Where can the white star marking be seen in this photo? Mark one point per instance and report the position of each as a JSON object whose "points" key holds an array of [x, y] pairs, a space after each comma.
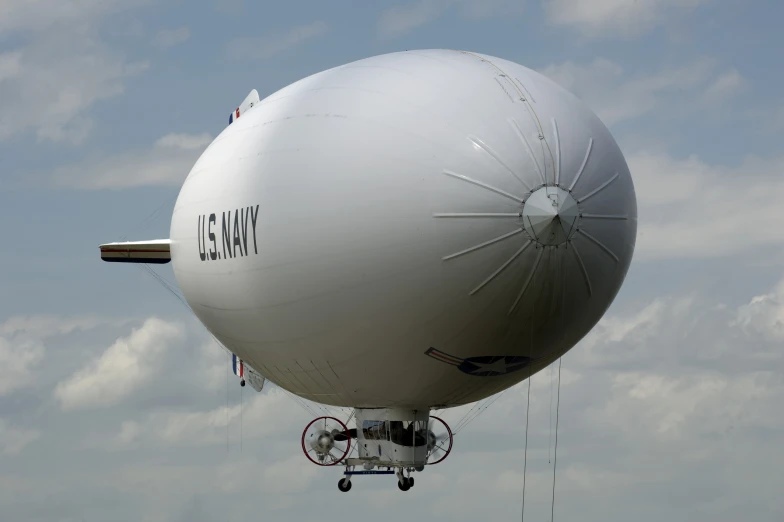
{"points": [[499, 366]]}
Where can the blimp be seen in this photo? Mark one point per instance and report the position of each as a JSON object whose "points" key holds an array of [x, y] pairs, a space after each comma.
{"points": [[398, 235]]}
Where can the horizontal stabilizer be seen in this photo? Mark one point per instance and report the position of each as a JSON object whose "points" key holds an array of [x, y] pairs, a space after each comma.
{"points": [[153, 251], [255, 379], [247, 104], [243, 371]]}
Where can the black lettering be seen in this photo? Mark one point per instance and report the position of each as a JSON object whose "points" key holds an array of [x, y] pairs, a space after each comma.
{"points": [[226, 228], [213, 253], [253, 217], [203, 235], [237, 233], [202, 253], [244, 218]]}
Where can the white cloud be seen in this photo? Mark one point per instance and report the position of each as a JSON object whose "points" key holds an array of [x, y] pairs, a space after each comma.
{"points": [[601, 18], [18, 361], [166, 38], [283, 480], [686, 371], [291, 475], [674, 376], [214, 359], [678, 376], [689, 333], [687, 207], [185, 141], [624, 338], [198, 428], [59, 69], [764, 315], [22, 348], [122, 369], [10, 65], [38, 15], [691, 209], [129, 434], [693, 405], [13, 440], [165, 163], [726, 85], [607, 88], [401, 19], [488, 8], [264, 47], [42, 326], [49, 85]]}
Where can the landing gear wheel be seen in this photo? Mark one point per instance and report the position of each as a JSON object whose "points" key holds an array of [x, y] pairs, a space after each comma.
{"points": [[319, 442], [403, 485], [344, 485], [410, 482], [439, 440]]}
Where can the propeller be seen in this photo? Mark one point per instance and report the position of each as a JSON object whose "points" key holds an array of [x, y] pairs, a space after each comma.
{"points": [[322, 442]]}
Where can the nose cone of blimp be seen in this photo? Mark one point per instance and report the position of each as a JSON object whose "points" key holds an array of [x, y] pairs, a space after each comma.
{"points": [[537, 226]]}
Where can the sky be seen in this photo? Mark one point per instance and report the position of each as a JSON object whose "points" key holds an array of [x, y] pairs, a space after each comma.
{"points": [[115, 402]]}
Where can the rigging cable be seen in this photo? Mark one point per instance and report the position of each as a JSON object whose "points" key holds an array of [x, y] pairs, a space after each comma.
{"points": [[146, 222], [459, 424], [164, 283], [527, 412], [550, 440], [555, 457], [525, 453], [482, 408], [557, 405], [326, 409]]}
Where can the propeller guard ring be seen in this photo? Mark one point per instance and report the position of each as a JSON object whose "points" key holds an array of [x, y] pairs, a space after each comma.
{"points": [[449, 448], [348, 441]]}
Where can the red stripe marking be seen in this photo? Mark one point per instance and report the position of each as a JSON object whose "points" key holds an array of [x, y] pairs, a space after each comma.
{"points": [[447, 360], [446, 355]]}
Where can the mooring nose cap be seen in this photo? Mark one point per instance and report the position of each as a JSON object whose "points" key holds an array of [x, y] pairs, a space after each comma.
{"points": [[550, 215]]}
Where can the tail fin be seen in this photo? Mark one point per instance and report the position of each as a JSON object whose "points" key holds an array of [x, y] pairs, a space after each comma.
{"points": [[249, 101]]}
